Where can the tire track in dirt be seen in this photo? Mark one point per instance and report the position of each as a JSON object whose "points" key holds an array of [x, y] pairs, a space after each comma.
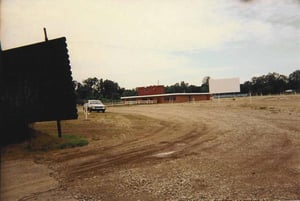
{"points": [[124, 156], [145, 147], [190, 134]]}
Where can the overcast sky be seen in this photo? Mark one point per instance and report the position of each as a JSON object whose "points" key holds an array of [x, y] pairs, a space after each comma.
{"points": [[146, 42]]}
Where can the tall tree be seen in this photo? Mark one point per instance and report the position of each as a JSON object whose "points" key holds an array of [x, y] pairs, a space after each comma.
{"points": [[205, 84], [246, 87], [294, 80], [111, 89], [92, 85]]}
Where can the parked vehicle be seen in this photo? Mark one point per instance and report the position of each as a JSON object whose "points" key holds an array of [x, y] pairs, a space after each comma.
{"points": [[94, 105]]}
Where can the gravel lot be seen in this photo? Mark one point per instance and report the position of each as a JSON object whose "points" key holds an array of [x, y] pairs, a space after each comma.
{"points": [[232, 149]]}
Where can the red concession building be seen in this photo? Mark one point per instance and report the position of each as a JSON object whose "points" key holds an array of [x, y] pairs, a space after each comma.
{"points": [[150, 90], [156, 94]]}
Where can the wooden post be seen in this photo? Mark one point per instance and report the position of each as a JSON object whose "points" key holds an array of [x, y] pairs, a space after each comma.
{"points": [[57, 121], [45, 34], [58, 128]]}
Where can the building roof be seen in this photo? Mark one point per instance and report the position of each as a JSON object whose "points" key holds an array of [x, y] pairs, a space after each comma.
{"points": [[162, 95]]}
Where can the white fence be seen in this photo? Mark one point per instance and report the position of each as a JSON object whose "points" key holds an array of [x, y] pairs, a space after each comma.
{"points": [[136, 102]]}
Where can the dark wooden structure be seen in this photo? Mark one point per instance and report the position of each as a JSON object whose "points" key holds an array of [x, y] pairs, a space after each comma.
{"points": [[36, 84]]}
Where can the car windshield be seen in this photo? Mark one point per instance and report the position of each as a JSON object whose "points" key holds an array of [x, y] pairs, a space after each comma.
{"points": [[95, 102]]}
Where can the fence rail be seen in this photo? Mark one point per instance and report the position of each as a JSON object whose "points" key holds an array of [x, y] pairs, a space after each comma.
{"points": [[136, 102]]}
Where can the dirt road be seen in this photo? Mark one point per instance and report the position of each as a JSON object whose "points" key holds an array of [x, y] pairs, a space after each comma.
{"points": [[227, 149]]}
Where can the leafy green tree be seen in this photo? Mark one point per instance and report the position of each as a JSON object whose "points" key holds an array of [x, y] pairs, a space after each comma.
{"points": [[205, 84], [294, 80], [246, 87], [94, 88], [194, 89], [258, 84], [129, 92], [272, 83], [92, 85], [101, 87], [184, 87], [281, 84], [173, 88], [111, 90]]}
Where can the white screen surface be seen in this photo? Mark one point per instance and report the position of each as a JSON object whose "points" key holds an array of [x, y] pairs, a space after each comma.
{"points": [[227, 85]]}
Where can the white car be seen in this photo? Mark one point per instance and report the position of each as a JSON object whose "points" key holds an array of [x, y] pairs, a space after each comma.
{"points": [[94, 105]]}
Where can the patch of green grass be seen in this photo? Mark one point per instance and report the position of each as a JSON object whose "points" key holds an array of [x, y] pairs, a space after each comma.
{"points": [[72, 141], [43, 142]]}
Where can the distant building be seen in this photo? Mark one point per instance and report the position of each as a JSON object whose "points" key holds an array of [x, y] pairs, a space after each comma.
{"points": [[150, 90], [156, 94]]}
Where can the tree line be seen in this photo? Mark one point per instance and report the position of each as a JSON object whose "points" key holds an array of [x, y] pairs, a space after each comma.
{"points": [[184, 87], [94, 88], [272, 83], [108, 90]]}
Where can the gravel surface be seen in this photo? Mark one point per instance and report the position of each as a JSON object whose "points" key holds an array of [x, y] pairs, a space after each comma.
{"points": [[209, 150]]}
